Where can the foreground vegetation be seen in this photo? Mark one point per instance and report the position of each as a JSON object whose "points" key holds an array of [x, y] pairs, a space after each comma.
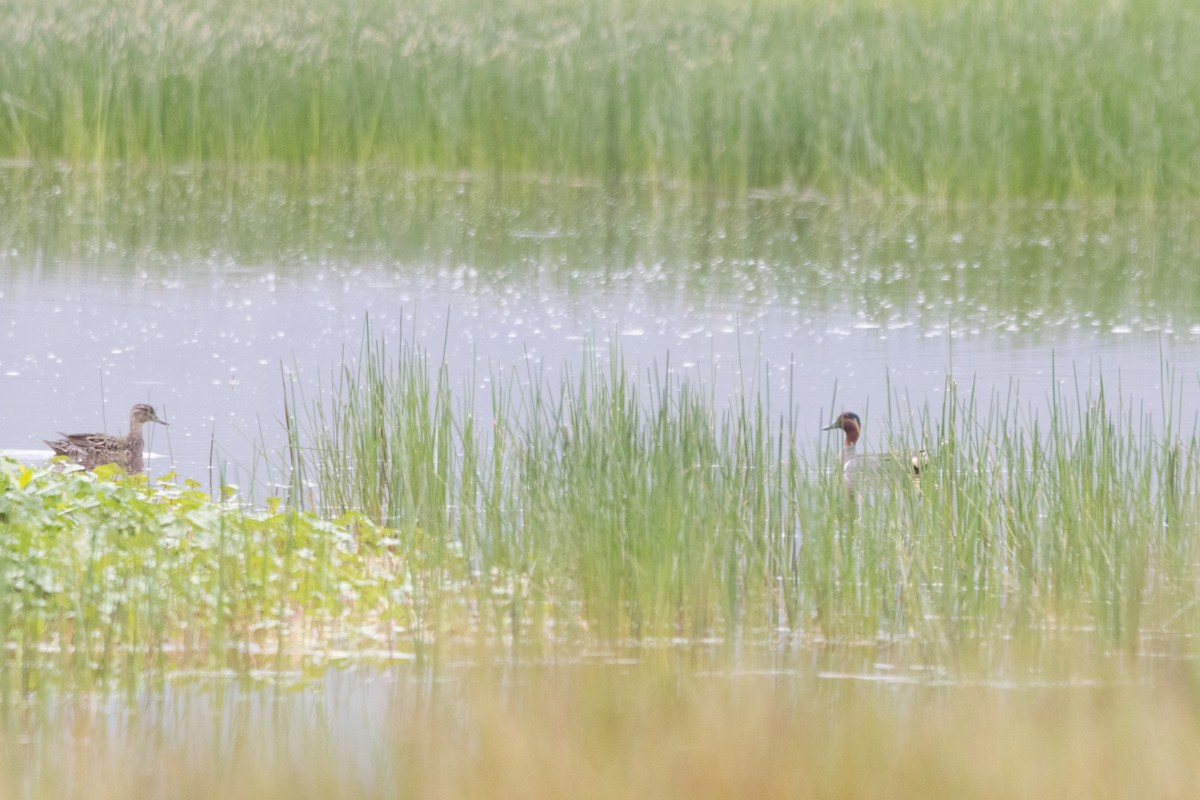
{"points": [[105, 577], [615, 586], [993, 99], [617, 508]]}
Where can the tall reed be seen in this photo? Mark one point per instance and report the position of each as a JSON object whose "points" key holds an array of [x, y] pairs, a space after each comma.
{"points": [[627, 502]]}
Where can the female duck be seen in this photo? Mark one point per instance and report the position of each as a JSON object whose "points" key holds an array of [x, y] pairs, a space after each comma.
{"points": [[93, 449]]}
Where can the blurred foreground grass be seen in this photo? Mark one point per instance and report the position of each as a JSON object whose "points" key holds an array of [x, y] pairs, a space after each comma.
{"points": [[620, 730]]}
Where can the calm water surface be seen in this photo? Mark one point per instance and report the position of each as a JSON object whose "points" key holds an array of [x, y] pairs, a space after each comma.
{"points": [[201, 292]]}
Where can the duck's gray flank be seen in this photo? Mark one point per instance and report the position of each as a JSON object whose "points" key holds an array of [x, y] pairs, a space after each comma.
{"points": [[857, 466]]}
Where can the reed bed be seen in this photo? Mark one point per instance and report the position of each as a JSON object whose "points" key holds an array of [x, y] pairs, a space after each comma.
{"points": [[628, 504], [615, 508], [996, 99]]}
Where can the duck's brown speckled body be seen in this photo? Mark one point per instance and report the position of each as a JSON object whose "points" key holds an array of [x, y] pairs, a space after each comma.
{"points": [[93, 449]]}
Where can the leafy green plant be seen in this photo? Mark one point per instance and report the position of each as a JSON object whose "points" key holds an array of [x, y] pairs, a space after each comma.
{"points": [[106, 575]]}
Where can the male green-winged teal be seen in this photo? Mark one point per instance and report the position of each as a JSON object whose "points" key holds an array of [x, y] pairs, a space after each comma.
{"points": [[93, 449], [861, 467]]}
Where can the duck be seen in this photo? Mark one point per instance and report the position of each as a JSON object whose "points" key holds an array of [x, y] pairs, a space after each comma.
{"points": [[91, 450], [859, 467]]}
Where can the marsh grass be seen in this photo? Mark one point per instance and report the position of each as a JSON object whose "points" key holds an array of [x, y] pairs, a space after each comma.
{"points": [[993, 99], [617, 507], [625, 501]]}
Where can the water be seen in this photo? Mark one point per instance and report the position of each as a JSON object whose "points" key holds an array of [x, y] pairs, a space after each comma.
{"points": [[468, 727], [201, 292]]}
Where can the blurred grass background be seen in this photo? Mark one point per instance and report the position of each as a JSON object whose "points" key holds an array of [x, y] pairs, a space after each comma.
{"points": [[998, 99]]}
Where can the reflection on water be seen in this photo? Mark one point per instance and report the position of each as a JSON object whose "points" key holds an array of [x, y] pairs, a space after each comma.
{"points": [[198, 290], [476, 721]]}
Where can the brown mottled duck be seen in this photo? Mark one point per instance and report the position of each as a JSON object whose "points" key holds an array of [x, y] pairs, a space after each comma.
{"points": [[93, 449]]}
